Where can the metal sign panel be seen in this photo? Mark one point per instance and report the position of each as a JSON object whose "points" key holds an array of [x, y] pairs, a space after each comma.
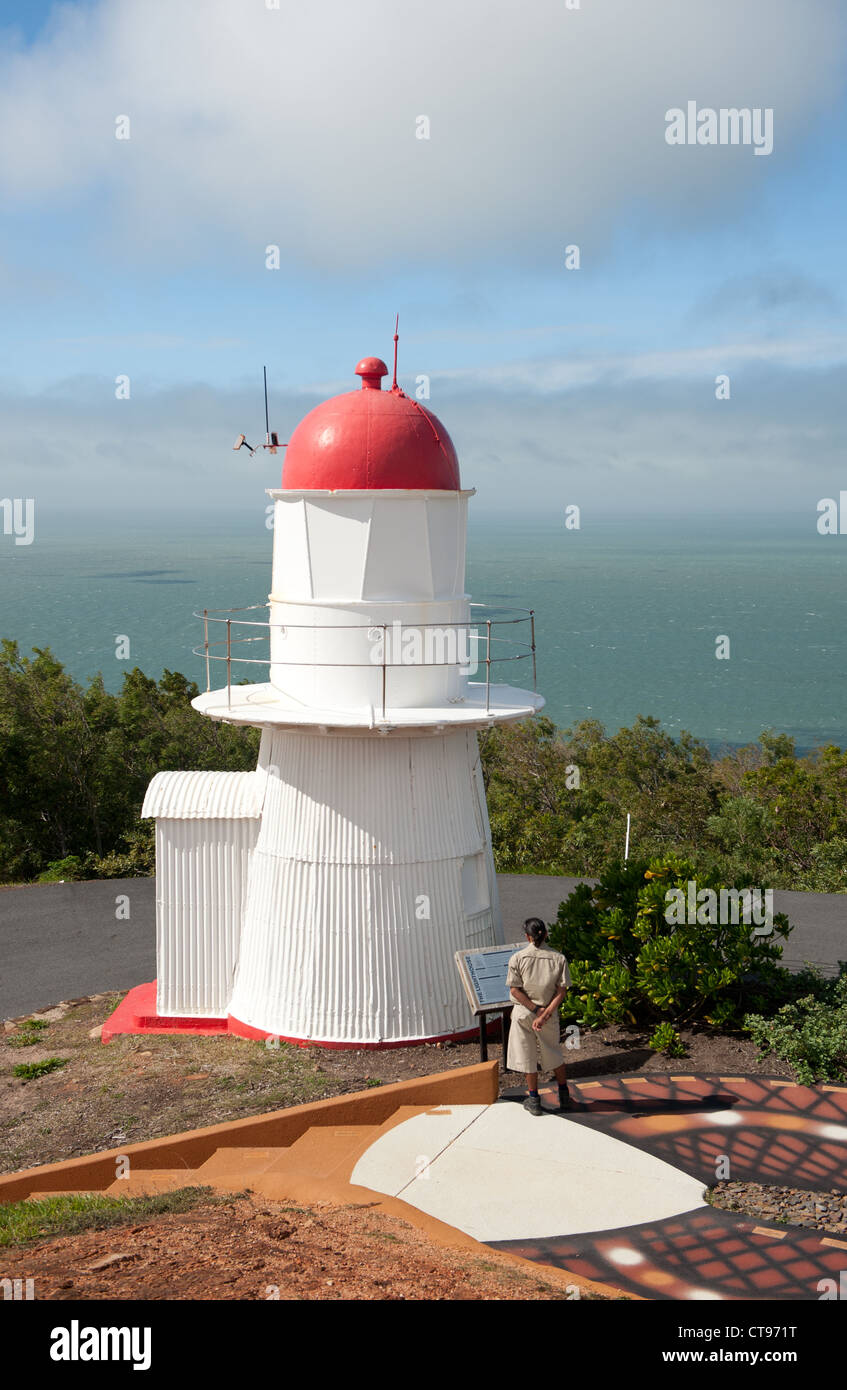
{"points": [[483, 974]]}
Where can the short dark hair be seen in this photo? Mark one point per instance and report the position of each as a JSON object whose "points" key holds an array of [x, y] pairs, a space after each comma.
{"points": [[535, 928]]}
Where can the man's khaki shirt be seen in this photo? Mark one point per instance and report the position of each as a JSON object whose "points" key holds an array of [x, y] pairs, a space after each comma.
{"points": [[540, 972]]}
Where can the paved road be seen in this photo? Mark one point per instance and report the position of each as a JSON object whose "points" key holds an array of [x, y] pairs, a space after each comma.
{"points": [[819, 919], [63, 940]]}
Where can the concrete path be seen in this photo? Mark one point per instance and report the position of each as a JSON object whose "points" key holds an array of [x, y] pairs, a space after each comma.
{"points": [[614, 1191], [499, 1174], [61, 941]]}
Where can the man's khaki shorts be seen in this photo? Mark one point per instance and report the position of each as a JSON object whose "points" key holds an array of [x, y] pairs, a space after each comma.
{"points": [[530, 1051]]}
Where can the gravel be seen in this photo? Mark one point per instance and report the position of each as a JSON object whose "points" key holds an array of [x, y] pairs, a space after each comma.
{"points": [[793, 1206]]}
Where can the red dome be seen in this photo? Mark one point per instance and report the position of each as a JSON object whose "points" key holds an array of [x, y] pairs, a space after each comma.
{"points": [[371, 439]]}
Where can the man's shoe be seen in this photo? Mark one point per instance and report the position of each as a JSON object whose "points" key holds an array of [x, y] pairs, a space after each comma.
{"points": [[533, 1105], [566, 1102]]}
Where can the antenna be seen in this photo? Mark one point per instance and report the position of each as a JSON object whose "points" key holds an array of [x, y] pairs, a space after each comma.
{"points": [[396, 339], [271, 438]]}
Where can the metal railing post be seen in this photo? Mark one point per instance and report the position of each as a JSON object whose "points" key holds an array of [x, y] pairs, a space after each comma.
{"points": [[206, 645], [384, 639], [532, 622], [228, 663], [488, 668]]}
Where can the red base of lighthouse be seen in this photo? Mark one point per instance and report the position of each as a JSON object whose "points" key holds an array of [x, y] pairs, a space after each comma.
{"points": [[137, 1014]]}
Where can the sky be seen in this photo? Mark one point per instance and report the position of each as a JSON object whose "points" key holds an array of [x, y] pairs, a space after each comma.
{"points": [[435, 161]]}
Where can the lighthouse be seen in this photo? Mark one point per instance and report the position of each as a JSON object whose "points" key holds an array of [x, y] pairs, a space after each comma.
{"points": [[322, 898]]}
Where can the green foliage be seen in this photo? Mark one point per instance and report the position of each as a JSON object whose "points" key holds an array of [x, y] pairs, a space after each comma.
{"points": [[666, 1039], [75, 763], [558, 802], [31, 1071], [809, 1033], [66, 870], [135, 857], [629, 964]]}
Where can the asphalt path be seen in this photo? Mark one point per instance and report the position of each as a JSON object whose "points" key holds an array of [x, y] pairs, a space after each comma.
{"points": [[65, 940], [819, 919]]}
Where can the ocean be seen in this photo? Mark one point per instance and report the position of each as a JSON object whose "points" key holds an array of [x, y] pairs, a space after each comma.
{"points": [[629, 612]]}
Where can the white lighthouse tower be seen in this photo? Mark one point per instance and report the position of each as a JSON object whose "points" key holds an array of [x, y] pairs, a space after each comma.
{"points": [[322, 897]]}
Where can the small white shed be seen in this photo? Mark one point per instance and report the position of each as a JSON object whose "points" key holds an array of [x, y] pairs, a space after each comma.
{"points": [[206, 827]]}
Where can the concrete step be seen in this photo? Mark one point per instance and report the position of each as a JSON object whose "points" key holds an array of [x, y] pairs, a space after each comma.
{"points": [[319, 1164], [227, 1161], [232, 1169], [146, 1182], [322, 1150]]}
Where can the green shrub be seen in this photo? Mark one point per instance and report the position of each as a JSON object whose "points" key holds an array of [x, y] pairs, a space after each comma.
{"points": [[810, 1033], [134, 858], [666, 1039], [69, 869], [630, 965]]}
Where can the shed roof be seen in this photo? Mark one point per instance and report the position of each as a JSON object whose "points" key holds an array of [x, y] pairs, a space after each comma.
{"points": [[205, 796]]}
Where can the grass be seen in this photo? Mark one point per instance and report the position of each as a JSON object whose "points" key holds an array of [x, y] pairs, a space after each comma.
{"points": [[30, 1071], [23, 1223], [29, 1033]]}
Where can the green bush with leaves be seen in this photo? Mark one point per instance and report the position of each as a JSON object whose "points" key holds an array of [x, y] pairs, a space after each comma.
{"points": [[810, 1033], [67, 870], [630, 964], [666, 1039]]}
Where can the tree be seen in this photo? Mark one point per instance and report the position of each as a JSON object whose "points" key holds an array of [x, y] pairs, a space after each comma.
{"points": [[74, 763]]}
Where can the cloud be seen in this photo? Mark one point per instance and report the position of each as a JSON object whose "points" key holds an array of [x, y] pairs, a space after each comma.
{"points": [[769, 293], [296, 126], [546, 375], [650, 444]]}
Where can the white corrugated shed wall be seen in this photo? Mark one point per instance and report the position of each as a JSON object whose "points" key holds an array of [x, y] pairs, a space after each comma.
{"points": [[201, 882], [360, 840], [206, 827]]}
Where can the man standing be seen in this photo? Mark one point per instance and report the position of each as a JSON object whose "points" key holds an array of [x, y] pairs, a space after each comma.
{"points": [[538, 978]]}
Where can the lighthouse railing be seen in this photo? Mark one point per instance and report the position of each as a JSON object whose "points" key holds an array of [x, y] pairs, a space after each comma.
{"points": [[228, 617]]}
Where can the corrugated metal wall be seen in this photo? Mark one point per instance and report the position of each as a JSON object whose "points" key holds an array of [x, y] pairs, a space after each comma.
{"points": [[201, 881], [355, 904]]}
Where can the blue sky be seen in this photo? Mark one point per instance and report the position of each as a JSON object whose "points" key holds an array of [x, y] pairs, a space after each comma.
{"points": [[251, 126]]}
